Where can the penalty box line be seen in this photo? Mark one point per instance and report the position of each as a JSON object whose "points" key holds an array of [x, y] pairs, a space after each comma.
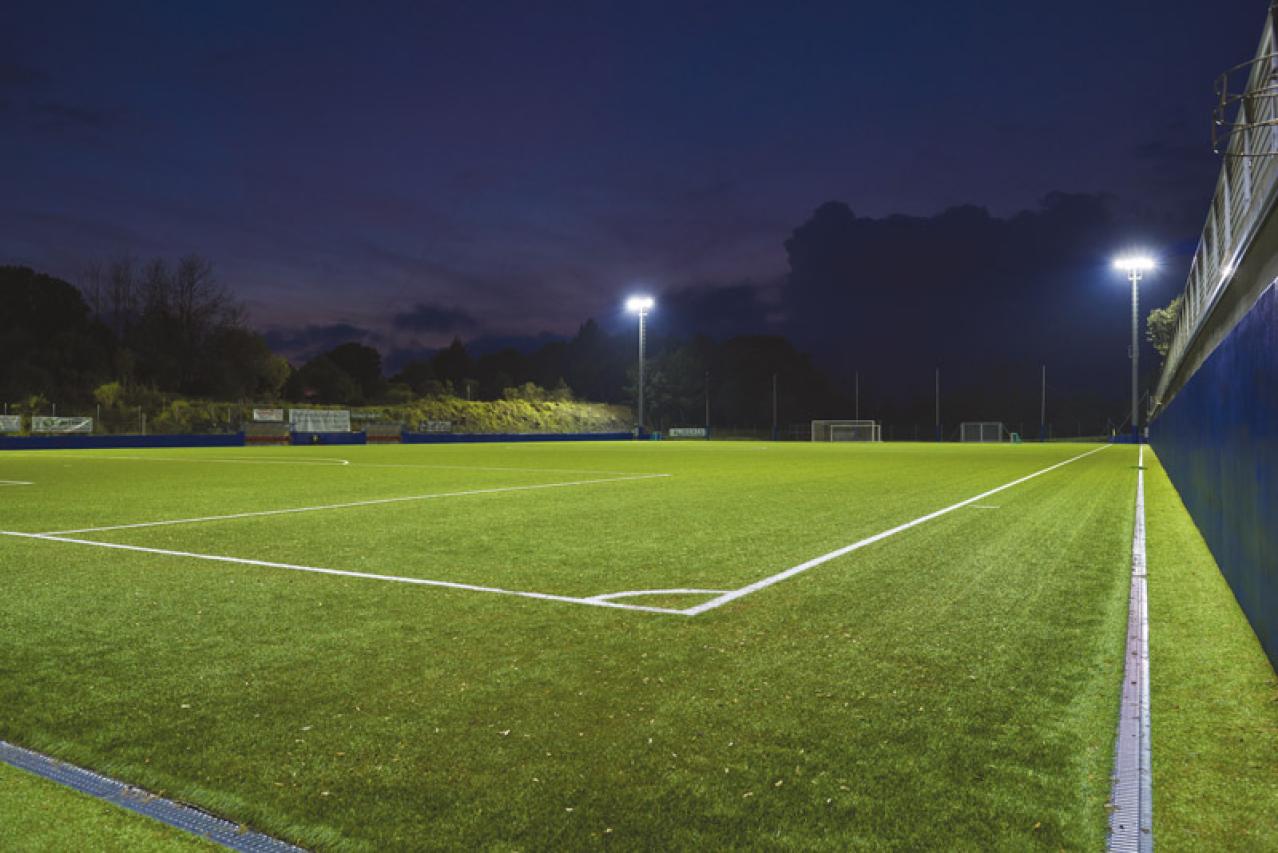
{"points": [[217, 558], [727, 597], [349, 504]]}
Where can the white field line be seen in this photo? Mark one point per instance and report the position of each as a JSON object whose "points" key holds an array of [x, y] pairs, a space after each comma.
{"points": [[591, 602], [350, 504], [984, 506], [632, 593], [878, 537], [335, 462], [16, 483], [327, 461]]}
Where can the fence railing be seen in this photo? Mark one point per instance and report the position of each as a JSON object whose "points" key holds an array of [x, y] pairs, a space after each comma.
{"points": [[1245, 131]]}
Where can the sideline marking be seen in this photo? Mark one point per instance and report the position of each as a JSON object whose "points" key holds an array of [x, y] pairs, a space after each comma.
{"points": [[16, 483], [984, 506], [1131, 799], [869, 540], [187, 818], [328, 461], [545, 596], [349, 504]]}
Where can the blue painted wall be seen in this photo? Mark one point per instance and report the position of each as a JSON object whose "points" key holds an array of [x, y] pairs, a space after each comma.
{"points": [[88, 442], [328, 438], [1218, 440], [466, 438]]}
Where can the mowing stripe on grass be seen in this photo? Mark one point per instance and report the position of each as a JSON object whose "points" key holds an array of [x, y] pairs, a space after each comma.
{"points": [[192, 820], [1131, 801], [350, 504], [847, 549], [217, 558]]}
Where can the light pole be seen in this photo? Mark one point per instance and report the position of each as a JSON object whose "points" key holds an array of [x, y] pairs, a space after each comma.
{"points": [[1135, 266], [640, 305]]}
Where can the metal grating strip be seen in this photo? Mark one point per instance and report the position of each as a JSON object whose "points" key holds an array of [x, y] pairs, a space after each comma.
{"points": [[1131, 827], [183, 817]]}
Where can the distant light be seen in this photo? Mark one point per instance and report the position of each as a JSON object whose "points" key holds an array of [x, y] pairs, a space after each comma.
{"points": [[1135, 263], [639, 304]]}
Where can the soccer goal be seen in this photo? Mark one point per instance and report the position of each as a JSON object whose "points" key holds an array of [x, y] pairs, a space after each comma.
{"points": [[982, 431], [846, 431]]}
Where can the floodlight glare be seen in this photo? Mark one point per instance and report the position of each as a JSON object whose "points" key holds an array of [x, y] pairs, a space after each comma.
{"points": [[1135, 263], [1135, 267], [639, 304]]}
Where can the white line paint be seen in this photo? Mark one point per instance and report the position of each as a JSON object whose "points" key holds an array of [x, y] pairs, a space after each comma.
{"points": [[16, 483], [870, 540], [217, 558], [326, 461], [350, 504], [632, 593], [329, 462], [1131, 799], [984, 506]]}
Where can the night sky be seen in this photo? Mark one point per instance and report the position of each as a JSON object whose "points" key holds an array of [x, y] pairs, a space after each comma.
{"points": [[404, 173]]}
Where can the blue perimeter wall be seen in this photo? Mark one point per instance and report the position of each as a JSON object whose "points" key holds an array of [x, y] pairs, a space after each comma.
{"points": [[459, 438], [1218, 440], [102, 442]]}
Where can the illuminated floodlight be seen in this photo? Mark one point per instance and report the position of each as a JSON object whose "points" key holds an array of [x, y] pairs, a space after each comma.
{"points": [[1135, 263], [639, 304]]}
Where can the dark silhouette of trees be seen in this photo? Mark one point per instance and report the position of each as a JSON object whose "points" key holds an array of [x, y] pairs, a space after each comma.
{"points": [[50, 343]]}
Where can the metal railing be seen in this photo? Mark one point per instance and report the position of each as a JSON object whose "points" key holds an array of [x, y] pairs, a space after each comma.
{"points": [[1245, 131]]}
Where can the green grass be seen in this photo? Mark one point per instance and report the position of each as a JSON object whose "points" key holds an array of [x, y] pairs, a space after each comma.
{"points": [[1214, 695], [39, 815], [953, 686]]}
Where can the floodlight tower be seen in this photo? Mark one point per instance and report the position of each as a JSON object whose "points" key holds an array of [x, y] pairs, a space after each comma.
{"points": [[1135, 266], [640, 305]]}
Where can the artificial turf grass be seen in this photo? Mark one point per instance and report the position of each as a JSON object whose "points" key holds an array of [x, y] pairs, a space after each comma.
{"points": [[1214, 694], [952, 687], [39, 815]]}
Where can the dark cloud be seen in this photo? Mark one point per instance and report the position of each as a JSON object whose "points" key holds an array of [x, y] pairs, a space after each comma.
{"points": [[900, 295], [52, 115], [308, 341], [15, 76], [718, 310], [428, 317]]}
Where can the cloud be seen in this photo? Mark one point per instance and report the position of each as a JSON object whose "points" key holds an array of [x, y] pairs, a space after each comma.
{"points": [[14, 76], [52, 115], [427, 317], [305, 342]]}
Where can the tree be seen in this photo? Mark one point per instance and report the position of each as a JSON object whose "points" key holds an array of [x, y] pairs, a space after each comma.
{"points": [[453, 364], [364, 365], [322, 381], [1160, 325], [49, 342]]}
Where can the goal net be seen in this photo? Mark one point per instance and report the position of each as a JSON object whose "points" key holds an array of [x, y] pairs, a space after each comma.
{"points": [[836, 430], [982, 431]]}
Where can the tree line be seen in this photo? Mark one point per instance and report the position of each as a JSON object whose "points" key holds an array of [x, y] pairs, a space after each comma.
{"points": [[135, 331]]}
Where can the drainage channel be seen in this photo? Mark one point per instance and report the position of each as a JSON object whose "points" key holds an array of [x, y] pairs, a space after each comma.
{"points": [[1131, 801], [183, 817]]}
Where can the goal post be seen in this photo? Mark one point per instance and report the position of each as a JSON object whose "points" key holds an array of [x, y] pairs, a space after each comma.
{"points": [[982, 431], [845, 430]]}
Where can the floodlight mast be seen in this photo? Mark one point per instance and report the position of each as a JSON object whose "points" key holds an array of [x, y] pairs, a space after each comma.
{"points": [[1135, 266], [640, 305]]}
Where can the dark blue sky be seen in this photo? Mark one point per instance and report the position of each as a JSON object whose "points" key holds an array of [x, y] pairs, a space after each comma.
{"points": [[410, 171]]}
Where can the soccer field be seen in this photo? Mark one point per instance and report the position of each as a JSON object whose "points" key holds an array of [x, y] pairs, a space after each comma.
{"points": [[642, 644]]}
